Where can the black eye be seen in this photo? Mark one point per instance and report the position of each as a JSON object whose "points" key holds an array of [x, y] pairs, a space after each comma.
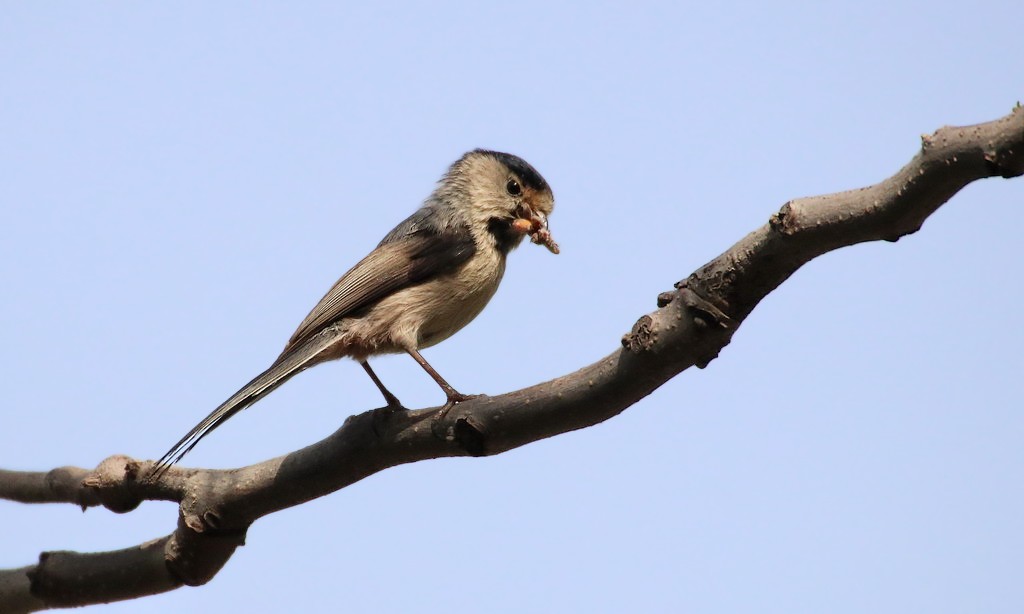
{"points": [[512, 187]]}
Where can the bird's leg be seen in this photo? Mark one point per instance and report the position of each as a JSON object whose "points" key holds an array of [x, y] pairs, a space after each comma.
{"points": [[391, 399], [382, 415], [454, 396]]}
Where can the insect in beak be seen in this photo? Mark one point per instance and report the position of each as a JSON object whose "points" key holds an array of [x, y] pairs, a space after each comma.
{"points": [[535, 224]]}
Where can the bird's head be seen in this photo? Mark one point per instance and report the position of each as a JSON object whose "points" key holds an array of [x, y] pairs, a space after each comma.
{"points": [[503, 194]]}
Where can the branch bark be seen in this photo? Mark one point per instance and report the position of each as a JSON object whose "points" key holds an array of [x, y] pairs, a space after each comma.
{"points": [[692, 324]]}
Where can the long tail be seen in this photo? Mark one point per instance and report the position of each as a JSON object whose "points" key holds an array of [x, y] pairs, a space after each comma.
{"points": [[284, 368]]}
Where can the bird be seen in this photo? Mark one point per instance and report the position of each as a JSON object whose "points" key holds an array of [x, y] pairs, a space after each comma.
{"points": [[427, 279]]}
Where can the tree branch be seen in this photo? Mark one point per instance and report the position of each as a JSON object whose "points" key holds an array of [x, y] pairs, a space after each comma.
{"points": [[693, 323]]}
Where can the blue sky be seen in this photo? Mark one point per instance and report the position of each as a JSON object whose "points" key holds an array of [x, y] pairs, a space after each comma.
{"points": [[182, 182]]}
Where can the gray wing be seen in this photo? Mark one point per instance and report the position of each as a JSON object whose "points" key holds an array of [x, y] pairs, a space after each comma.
{"points": [[415, 251], [410, 254]]}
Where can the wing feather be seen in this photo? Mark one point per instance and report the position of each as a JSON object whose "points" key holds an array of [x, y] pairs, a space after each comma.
{"points": [[398, 262]]}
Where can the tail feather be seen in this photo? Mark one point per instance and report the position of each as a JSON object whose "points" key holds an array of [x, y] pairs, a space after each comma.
{"points": [[284, 368]]}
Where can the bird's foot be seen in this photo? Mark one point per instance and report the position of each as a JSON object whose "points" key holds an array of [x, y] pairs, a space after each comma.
{"points": [[393, 402], [457, 397], [382, 415], [454, 398]]}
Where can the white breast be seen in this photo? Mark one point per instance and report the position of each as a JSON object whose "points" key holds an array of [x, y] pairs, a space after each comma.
{"points": [[426, 314]]}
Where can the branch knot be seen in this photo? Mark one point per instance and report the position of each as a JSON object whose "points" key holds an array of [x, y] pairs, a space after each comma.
{"points": [[642, 337]]}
